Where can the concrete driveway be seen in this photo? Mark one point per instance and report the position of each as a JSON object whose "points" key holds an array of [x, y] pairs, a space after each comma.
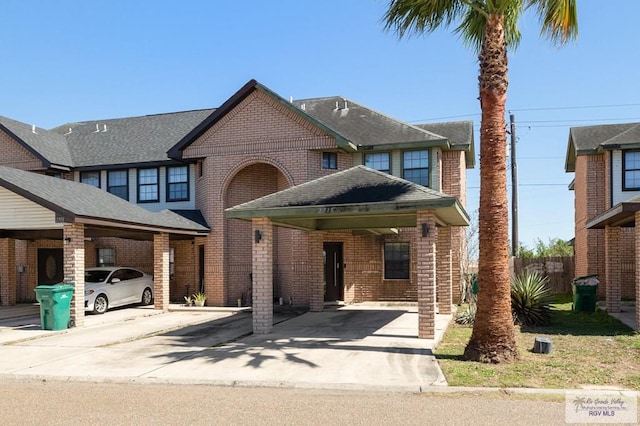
{"points": [[352, 347]]}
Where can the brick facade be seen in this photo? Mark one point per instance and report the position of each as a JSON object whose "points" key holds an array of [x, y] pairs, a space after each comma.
{"points": [[257, 148]]}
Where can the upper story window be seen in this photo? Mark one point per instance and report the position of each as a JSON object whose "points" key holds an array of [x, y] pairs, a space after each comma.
{"points": [[90, 178], [415, 166], [178, 183], [118, 183], [148, 185], [396, 261], [378, 161], [631, 173], [330, 160]]}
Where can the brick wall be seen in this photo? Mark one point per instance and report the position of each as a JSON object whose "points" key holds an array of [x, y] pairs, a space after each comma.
{"points": [[454, 182], [590, 200], [14, 155]]}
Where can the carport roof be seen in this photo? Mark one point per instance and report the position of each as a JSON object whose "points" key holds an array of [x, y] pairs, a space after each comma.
{"points": [[359, 198], [77, 202], [622, 214]]}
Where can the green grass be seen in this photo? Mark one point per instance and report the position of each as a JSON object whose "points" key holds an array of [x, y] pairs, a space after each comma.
{"points": [[589, 349]]}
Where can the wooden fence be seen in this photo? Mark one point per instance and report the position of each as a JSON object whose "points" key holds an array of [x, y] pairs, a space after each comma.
{"points": [[560, 270]]}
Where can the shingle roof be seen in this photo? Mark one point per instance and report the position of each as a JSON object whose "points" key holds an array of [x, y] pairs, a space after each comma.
{"points": [[361, 125], [128, 140], [587, 140], [73, 199], [358, 190], [49, 146], [459, 134]]}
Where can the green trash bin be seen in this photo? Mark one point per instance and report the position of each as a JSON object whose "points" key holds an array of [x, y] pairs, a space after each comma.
{"points": [[584, 293], [55, 306]]}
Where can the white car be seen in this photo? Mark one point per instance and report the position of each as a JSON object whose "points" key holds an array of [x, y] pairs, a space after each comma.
{"points": [[110, 286]]}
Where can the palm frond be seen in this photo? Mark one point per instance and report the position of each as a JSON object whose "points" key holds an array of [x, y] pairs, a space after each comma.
{"points": [[558, 19]]}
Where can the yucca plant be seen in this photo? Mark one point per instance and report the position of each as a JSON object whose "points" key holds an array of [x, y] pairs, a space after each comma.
{"points": [[531, 299], [467, 316]]}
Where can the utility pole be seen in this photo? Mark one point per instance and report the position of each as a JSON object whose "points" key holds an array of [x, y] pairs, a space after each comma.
{"points": [[514, 188]]}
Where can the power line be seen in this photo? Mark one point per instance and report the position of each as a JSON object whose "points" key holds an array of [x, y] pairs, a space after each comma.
{"points": [[574, 107]]}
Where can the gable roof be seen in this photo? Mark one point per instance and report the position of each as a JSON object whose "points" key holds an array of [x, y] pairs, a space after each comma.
{"points": [[233, 101], [589, 140], [354, 127], [356, 198], [78, 202], [49, 147]]}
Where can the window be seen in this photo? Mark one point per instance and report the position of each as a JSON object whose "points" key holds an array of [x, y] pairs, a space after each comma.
{"points": [[378, 161], [148, 185], [118, 183], [178, 183], [396, 261], [106, 257], [90, 178], [415, 167], [172, 262], [329, 160], [631, 173]]}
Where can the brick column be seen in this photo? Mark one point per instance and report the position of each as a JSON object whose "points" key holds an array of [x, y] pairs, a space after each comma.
{"points": [[444, 270], [8, 272], [426, 269], [161, 271], [262, 269], [637, 270], [612, 268], [316, 272], [73, 248]]}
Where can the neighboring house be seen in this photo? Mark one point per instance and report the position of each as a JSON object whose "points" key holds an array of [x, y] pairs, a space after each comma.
{"points": [[200, 164], [606, 163]]}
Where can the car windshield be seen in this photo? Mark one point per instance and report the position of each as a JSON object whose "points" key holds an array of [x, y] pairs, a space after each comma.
{"points": [[95, 276]]}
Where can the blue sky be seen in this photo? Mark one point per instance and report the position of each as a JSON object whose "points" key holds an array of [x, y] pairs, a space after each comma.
{"points": [[71, 60]]}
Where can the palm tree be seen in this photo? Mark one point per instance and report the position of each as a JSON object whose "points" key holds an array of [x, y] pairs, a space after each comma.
{"points": [[488, 26]]}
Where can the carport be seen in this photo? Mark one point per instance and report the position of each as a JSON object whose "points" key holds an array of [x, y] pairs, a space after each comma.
{"points": [[622, 215], [359, 199], [35, 206]]}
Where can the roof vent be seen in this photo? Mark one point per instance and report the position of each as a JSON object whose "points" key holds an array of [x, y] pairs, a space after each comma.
{"points": [[303, 107], [104, 129], [97, 130], [33, 129], [69, 132], [346, 105]]}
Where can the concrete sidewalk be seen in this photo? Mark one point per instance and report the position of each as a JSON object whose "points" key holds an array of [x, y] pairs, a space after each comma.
{"points": [[351, 347]]}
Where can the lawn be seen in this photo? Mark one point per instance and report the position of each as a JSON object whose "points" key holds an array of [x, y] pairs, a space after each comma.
{"points": [[589, 350]]}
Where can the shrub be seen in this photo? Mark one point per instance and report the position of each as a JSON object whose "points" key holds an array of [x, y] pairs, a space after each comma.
{"points": [[531, 299], [467, 316]]}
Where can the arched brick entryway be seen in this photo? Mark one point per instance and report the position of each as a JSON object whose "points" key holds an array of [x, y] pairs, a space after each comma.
{"points": [[250, 182]]}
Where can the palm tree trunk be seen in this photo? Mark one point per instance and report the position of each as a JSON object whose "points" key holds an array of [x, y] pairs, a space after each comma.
{"points": [[493, 339]]}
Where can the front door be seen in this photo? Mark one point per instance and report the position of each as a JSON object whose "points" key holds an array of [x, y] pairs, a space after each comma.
{"points": [[50, 266], [333, 276]]}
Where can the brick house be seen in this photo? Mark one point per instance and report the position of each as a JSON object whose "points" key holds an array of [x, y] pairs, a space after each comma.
{"points": [[199, 165], [606, 163]]}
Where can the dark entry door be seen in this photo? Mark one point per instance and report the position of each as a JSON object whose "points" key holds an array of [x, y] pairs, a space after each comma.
{"points": [[333, 275], [201, 268], [50, 266]]}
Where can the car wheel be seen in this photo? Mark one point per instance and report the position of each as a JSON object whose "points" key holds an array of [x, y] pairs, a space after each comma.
{"points": [[101, 304], [147, 297]]}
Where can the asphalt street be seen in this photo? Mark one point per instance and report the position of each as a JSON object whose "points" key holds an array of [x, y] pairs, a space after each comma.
{"points": [[34, 402]]}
